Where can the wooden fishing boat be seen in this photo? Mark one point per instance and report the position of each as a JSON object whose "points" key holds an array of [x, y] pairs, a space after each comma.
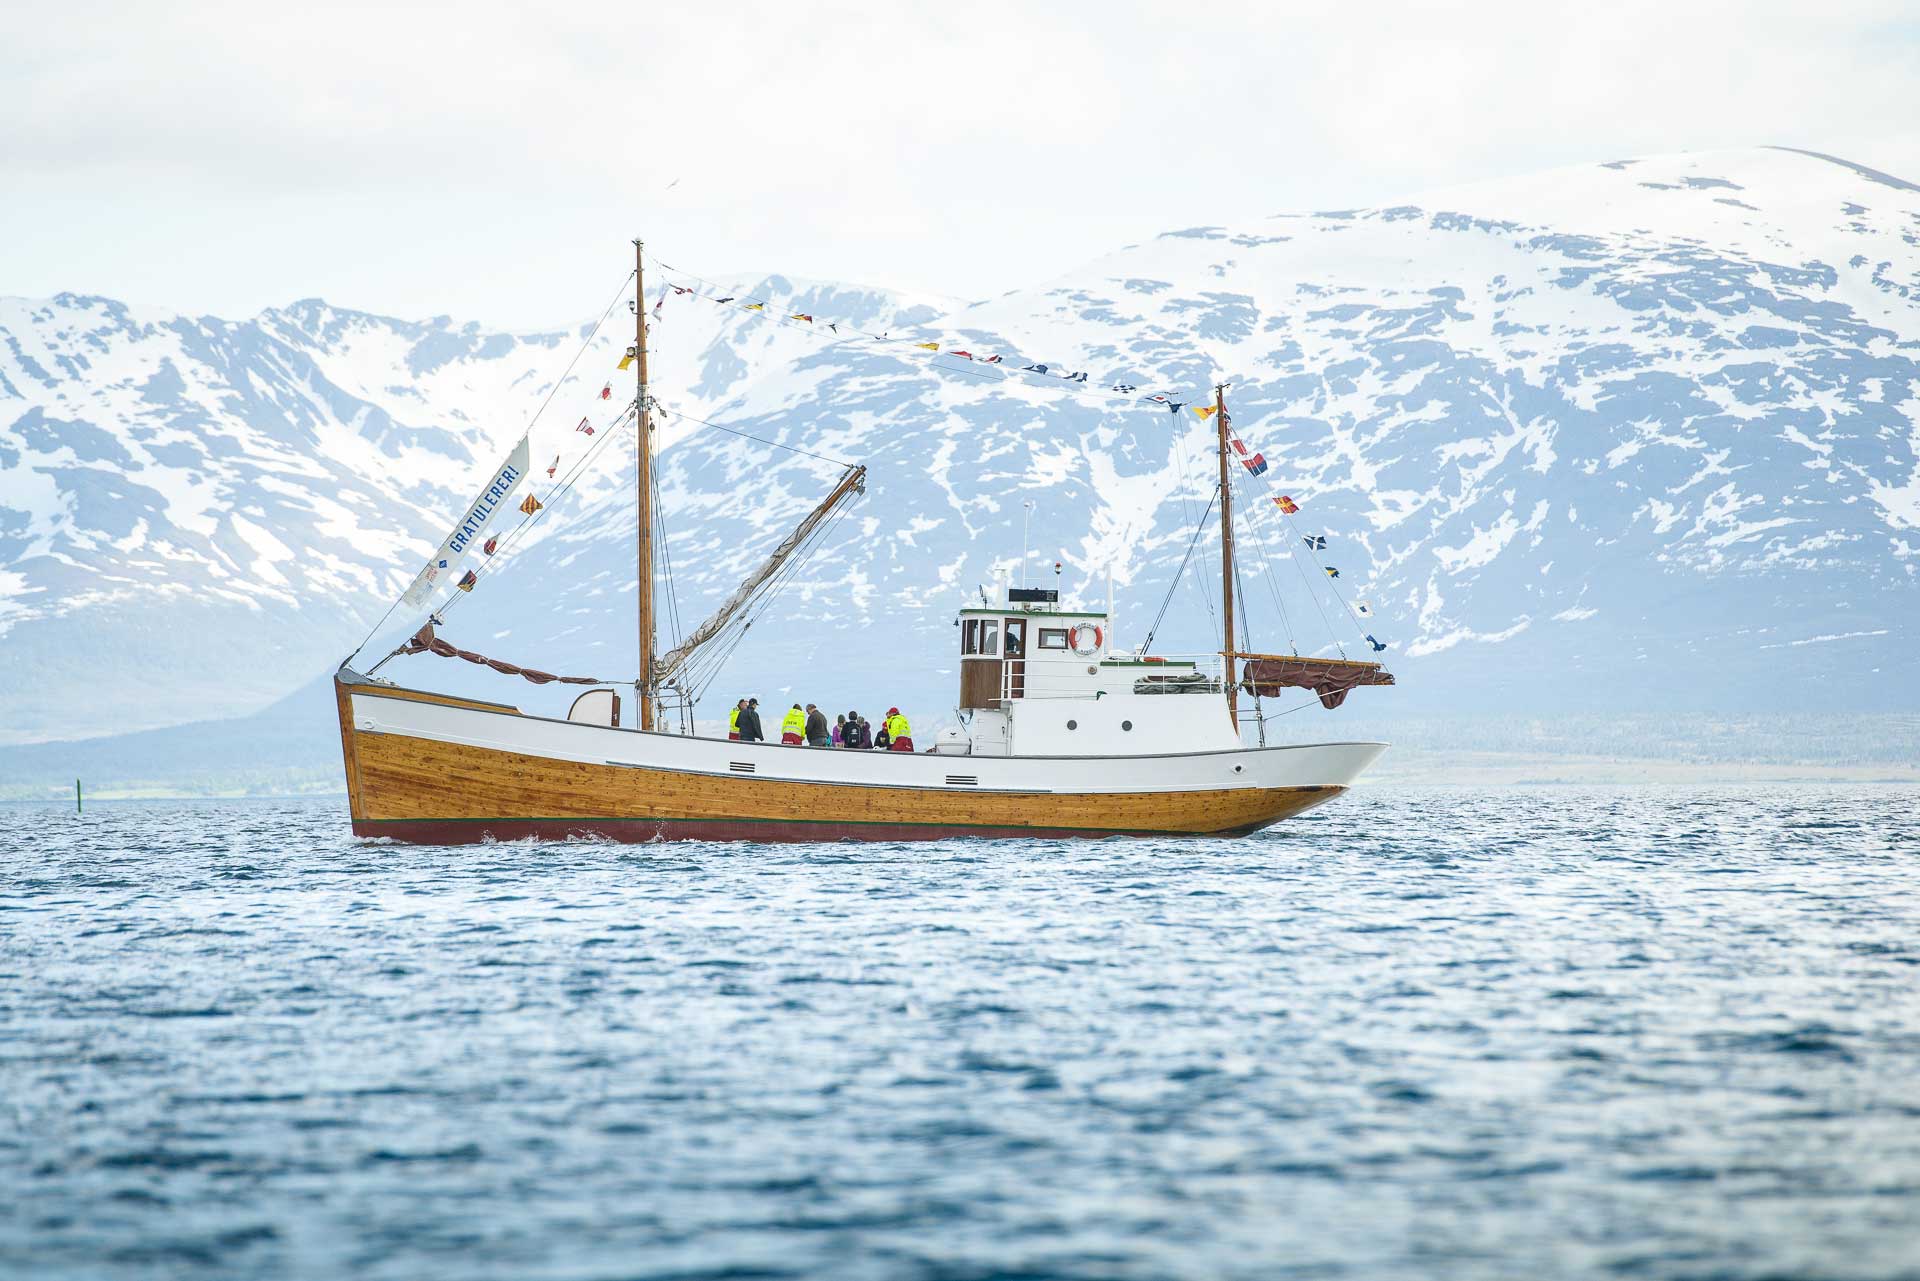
{"points": [[1052, 719]]}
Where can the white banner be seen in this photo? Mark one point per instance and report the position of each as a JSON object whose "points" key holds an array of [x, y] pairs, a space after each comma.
{"points": [[467, 534]]}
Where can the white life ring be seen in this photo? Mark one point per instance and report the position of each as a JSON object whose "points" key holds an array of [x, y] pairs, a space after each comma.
{"points": [[1086, 639]]}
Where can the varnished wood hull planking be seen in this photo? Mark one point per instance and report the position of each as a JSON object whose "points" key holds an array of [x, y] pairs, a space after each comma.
{"points": [[429, 791]]}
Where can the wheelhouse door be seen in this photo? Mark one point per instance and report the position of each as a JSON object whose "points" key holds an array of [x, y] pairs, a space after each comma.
{"points": [[1016, 657]]}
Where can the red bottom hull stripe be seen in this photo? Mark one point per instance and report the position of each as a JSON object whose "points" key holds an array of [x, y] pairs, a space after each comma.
{"points": [[469, 831]]}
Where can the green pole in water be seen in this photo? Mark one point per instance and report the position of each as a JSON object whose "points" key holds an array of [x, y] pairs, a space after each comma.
{"points": [[76, 796]]}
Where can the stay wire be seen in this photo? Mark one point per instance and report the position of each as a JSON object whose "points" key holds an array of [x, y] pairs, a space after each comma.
{"points": [[509, 541], [706, 667], [531, 422], [1198, 526], [1186, 473], [745, 435]]}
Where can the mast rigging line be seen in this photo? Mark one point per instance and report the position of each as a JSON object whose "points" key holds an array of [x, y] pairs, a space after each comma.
{"points": [[527, 430], [706, 661], [1199, 526], [1199, 582], [511, 538], [1256, 533], [799, 542], [747, 435], [1313, 595]]}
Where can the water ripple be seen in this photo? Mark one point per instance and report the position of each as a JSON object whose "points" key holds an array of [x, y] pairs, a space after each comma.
{"points": [[1430, 1033]]}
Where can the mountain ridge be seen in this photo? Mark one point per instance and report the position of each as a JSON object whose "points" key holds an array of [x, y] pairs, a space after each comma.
{"points": [[1642, 453]]}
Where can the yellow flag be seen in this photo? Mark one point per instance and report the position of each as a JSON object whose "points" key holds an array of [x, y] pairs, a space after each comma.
{"points": [[530, 504], [1205, 411], [928, 346], [756, 306], [626, 362]]}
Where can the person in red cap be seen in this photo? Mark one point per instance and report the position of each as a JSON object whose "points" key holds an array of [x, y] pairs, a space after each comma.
{"points": [[899, 733]]}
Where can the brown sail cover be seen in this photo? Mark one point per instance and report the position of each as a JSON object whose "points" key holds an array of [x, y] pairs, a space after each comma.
{"points": [[425, 642], [1330, 678]]}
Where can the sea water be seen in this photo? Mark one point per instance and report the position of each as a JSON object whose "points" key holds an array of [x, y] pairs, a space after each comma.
{"points": [[1537, 1033]]}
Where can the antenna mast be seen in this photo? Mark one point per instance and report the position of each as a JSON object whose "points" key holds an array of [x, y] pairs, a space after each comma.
{"points": [[643, 493], [1228, 649]]}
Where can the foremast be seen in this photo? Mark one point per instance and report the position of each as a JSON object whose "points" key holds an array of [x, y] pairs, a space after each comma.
{"points": [[643, 494]]}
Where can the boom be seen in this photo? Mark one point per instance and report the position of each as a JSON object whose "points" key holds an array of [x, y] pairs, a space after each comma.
{"points": [[853, 481]]}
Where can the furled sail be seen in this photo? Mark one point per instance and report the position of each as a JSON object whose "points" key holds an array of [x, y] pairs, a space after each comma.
{"points": [[852, 481], [1330, 678]]}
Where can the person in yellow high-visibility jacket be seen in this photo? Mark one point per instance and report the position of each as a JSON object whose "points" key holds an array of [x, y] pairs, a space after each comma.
{"points": [[793, 726], [733, 720], [899, 733]]}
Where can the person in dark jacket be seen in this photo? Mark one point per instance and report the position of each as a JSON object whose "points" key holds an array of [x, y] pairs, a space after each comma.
{"points": [[860, 733], [818, 735], [750, 731], [880, 738]]}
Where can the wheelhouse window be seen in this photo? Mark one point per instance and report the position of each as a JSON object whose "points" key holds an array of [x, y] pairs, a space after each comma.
{"points": [[970, 636], [1053, 638], [990, 636]]}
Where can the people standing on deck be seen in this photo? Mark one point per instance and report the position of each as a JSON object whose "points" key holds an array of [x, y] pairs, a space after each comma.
{"points": [[817, 734], [899, 733], [793, 727], [840, 730], [880, 738], [733, 721], [859, 733], [750, 731]]}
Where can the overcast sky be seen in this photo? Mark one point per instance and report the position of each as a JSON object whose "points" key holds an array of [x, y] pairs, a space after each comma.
{"points": [[492, 162]]}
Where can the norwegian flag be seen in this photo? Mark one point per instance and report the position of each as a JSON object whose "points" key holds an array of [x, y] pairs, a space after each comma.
{"points": [[1256, 464]]}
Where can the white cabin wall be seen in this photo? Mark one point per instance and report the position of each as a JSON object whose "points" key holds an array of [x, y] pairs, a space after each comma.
{"points": [[1161, 723]]}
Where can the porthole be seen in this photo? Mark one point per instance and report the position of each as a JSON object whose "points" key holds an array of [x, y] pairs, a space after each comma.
{"points": [[1126, 724], [1238, 768], [1073, 724]]}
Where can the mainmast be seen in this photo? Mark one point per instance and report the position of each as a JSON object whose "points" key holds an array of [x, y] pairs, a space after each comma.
{"points": [[643, 493], [1228, 649]]}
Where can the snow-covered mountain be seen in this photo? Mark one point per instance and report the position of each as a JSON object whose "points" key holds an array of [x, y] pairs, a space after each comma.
{"points": [[1639, 435]]}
